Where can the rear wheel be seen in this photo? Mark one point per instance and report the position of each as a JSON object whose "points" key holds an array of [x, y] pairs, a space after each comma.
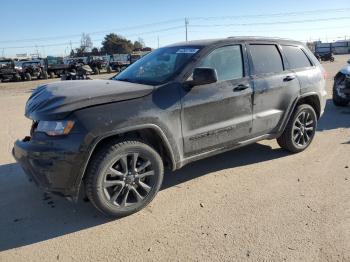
{"points": [[300, 129], [44, 75], [52, 75], [28, 77], [124, 177]]}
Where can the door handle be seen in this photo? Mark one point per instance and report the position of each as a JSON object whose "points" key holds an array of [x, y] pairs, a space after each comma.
{"points": [[240, 88], [288, 78]]}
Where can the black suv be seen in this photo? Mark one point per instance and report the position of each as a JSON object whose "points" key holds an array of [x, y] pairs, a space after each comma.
{"points": [[113, 138]]}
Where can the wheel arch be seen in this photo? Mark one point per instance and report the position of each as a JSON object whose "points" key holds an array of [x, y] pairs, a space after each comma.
{"points": [[311, 99], [150, 133]]}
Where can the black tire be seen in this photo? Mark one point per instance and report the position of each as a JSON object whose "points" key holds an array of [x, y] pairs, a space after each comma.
{"points": [[52, 75], [28, 77], [96, 71], [331, 59], [297, 128], [115, 164], [337, 99], [44, 75]]}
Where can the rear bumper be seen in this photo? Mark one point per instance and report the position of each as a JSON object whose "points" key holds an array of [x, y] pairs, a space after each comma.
{"points": [[323, 101], [54, 165]]}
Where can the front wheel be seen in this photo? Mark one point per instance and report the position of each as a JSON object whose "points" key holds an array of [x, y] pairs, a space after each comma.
{"points": [[28, 76], [124, 177], [339, 99], [300, 129]]}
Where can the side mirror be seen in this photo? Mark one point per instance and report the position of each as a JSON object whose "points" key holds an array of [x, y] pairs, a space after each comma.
{"points": [[204, 76]]}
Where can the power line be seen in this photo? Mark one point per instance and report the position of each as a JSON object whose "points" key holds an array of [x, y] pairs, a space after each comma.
{"points": [[78, 42], [274, 23], [273, 14], [274, 30], [179, 20], [189, 26], [94, 33]]}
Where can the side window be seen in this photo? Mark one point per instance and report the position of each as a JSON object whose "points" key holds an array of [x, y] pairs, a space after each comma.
{"points": [[266, 59], [296, 57], [227, 61]]}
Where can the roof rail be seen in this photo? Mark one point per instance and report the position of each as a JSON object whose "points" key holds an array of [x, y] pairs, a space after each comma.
{"points": [[264, 37]]}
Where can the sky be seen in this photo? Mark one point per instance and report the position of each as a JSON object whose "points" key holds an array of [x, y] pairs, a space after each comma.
{"points": [[52, 27]]}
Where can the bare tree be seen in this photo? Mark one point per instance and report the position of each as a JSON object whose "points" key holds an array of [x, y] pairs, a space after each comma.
{"points": [[86, 43]]}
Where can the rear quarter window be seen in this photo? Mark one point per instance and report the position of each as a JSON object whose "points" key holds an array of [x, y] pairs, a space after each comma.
{"points": [[296, 57], [266, 58]]}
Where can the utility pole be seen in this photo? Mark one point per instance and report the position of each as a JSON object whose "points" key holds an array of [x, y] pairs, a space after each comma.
{"points": [[186, 25], [3, 52], [37, 51], [70, 43], [158, 40]]}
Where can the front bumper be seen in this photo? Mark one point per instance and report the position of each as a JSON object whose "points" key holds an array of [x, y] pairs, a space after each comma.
{"points": [[54, 164]]}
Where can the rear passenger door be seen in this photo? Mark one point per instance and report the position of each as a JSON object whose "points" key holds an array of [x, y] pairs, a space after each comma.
{"points": [[308, 74], [275, 87]]}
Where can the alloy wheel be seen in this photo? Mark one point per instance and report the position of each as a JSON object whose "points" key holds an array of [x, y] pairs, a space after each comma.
{"points": [[128, 180], [303, 129]]}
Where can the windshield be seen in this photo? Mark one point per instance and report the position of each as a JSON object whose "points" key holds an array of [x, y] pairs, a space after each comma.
{"points": [[159, 66]]}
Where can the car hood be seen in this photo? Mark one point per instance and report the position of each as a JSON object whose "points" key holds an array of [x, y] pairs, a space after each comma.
{"points": [[57, 100]]}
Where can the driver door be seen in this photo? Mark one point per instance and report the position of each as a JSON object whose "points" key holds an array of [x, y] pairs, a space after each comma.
{"points": [[219, 114]]}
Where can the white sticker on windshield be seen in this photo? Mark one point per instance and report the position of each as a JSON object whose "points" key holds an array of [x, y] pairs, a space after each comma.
{"points": [[187, 51]]}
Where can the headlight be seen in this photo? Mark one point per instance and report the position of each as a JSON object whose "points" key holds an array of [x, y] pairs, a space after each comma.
{"points": [[55, 128]]}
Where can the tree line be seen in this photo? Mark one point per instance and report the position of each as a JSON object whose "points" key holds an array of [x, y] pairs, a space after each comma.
{"points": [[111, 44]]}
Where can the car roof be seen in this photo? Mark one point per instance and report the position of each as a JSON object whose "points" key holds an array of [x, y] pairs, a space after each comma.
{"points": [[208, 42]]}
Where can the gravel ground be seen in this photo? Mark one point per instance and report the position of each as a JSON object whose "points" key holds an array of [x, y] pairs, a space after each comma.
{"points": [[257, 203]]}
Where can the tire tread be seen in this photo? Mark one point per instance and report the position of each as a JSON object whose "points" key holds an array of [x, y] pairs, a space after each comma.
{"points": [[97, 160]]}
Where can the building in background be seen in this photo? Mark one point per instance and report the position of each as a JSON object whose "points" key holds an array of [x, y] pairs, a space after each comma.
{"points": [[338, 47]]}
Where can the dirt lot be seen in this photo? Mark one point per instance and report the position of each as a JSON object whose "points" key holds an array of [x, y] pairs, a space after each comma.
{"points": [[257, 203]]}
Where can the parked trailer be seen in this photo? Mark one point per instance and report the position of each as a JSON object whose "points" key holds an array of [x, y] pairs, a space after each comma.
{"points": [[119, 62], [56, 66]]}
